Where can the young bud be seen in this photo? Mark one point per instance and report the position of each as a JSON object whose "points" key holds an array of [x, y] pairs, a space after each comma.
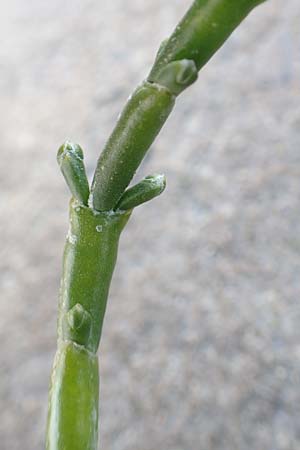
{"points": [[78, 324], [70, 160], [177, 75], [147, 189]]}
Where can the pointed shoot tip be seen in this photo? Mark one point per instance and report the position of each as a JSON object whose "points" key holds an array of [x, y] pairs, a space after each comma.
{"points": [[147, 189]]}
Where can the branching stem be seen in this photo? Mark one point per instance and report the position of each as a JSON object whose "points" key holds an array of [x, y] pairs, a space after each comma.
{"points": [[98, 217]]}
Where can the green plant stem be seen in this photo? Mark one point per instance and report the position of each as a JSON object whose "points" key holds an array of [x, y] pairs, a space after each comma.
{"points": [[205, 27], [73, 399], [97, 219], [136, 129], [88, 263], [202, 31]]}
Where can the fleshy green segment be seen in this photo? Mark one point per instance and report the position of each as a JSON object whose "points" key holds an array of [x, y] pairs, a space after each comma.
{"points": [[141, 120], [147, 189], [73, 400], [89, 260], [202, 31], [70, 160]]}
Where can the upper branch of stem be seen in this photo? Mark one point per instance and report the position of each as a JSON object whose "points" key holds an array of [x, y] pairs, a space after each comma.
{"points": [[202, 31], [204, 28]]}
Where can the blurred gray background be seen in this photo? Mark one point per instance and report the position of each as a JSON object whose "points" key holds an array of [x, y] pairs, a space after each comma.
{"points": [[201, 343]]}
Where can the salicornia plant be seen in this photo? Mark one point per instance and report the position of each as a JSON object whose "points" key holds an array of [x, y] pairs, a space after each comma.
{"points": [[99, 214]]}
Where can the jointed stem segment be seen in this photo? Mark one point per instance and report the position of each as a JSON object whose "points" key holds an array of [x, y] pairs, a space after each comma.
{"points": [[140, 122], [73, 399], [89, 260]]}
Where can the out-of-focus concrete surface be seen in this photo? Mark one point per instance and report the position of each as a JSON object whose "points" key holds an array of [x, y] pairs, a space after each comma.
{"points": [[201, 344]]}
